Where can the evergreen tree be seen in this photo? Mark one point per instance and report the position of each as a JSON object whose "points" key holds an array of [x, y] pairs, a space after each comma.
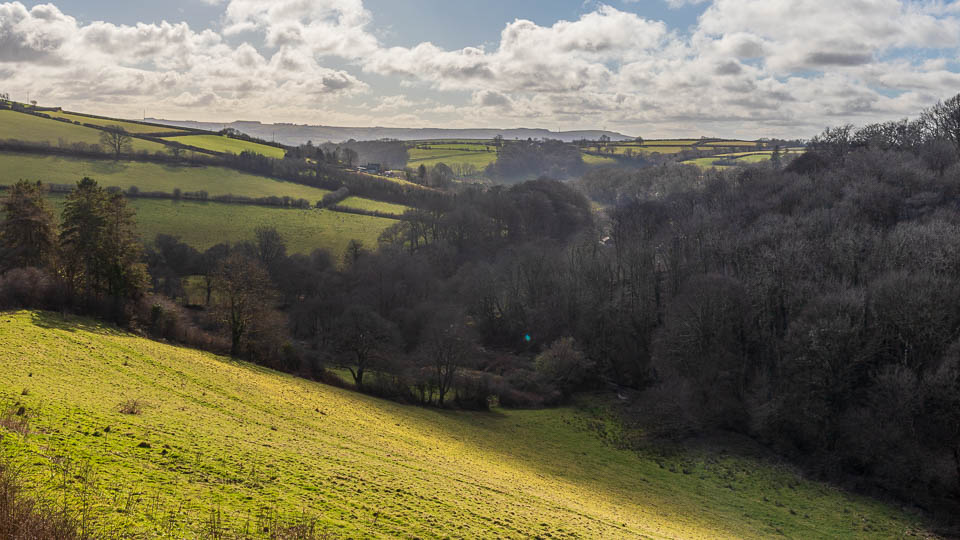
{"points": [[27, 232], [100, 251]]}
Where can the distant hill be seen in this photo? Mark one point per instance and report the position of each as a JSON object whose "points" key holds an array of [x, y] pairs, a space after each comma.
{"points": [[295, 134]]}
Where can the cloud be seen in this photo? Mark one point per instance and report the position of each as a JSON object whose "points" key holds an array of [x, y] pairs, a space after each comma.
{"points": [[100, 65], [745, 68]]}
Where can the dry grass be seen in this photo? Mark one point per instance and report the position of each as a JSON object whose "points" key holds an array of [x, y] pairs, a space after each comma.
{"points": [[132, 406], [22, 517]]}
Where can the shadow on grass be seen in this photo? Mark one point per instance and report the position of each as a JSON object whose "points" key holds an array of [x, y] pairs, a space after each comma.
{"points": [[72, 323]]}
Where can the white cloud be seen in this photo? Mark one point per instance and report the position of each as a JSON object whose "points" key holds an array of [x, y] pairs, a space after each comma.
{"points": [[746, 68]]}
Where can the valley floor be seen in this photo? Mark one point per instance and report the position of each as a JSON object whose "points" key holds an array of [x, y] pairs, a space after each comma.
{"points": [[226, 445]]}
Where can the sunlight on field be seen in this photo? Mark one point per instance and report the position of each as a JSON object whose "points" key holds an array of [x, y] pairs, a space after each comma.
{"points": [[227, 439], [148, 176], [373, 206], [219, 143], [451, 154], [203, 225], [130, 127], [26, 127]]}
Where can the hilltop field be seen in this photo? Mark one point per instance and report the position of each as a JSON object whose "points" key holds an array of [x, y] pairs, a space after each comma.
{"points": [[480, 153], [156, 441], [148, 176], [204, 224], [29, 128]]}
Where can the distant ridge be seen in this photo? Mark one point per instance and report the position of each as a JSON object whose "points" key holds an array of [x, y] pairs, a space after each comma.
{"points": [[295, 134]]}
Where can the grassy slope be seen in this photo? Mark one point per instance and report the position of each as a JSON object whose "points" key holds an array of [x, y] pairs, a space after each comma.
{"points": [[131, 127], [148, 176], [449, 154], [218, 143], [591, 159], [25, 127], [204, 224], [230, 437], [375, 206]]}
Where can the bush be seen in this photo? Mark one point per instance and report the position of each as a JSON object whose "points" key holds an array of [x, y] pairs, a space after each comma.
{"points": [[131, 406], [29, 288], [23, 517], [564, 365]]}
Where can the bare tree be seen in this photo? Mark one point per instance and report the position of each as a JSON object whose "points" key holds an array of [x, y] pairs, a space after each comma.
{"points": [[243, 294], [445, 350], [943, 120], [116, 140], [364, 336]]}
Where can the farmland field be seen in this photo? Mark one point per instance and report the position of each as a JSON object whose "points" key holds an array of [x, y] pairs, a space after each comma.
{"points": [[374, 206], [706, 163], [732, 143], [670, 142], [26, 127], [222, 444], [203, 225], [450, 154], [219, 143], [148, 176], [130, 127], [591, 159]]}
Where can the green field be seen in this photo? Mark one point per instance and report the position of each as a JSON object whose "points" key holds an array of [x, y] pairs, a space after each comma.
{"points": [[450, 154], [148, 176], [224, 446], [746, 158], [374, 206], [732, 143], [203, 225], [130, 127], [219, 143], [706, 163], [670, 142], [26, 127], [591, 159]]}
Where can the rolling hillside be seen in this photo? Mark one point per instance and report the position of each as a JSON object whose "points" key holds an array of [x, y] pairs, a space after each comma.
{"points": [[219, 448], [148, 176], [204, 224], [26, 127], [130, 127], [220, 143]]}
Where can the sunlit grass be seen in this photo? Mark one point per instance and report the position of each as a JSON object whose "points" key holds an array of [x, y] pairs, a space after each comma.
{"points": [[26, 127], [130, 127], [219, 143], [219, 437], [203, 225], [373, 206], [592, 159], [430, 157], [148, 176]]}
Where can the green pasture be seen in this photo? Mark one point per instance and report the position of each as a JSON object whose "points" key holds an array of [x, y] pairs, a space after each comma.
{"points": [[220, 143], [431, 157], [225, 449], [26, 127], [148, 176], [374, 206], [130, 127], [205, 224]]}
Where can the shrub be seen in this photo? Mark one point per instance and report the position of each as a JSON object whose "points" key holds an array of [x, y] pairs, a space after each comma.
{"points": [[132, 406], [23, 517], [564, 365], [29, 288]]}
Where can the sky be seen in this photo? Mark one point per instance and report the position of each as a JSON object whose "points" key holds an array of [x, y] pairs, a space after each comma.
{"points": [[651, 68]]}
